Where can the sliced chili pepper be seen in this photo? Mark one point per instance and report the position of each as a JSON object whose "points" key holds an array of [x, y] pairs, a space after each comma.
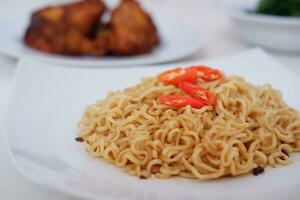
{"points": [[179, 101], [201, 69], [178, 75], [207, 73], [198, 92], [212, 75]]}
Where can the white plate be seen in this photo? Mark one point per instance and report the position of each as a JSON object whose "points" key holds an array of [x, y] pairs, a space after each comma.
{"points": [[177, 41], [48, 101]]}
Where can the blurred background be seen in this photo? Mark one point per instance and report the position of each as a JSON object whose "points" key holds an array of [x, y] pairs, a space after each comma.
{"points": [[211, 18]]}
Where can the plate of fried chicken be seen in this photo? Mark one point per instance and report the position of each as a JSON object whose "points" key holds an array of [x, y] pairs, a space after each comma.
{"points": [[89, 33]]}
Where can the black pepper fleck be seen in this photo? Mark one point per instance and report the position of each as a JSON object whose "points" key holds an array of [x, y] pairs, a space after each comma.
{"points": [[258, 170], [79, 139], [143, 177]]}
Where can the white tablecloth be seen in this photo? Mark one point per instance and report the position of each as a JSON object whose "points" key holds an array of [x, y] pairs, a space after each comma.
{"points": [[206, 16]]}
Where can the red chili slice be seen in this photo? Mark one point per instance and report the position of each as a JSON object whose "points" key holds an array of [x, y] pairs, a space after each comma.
{"points": [[178, 75], [199, 93], [207, 73], [179, 101], [201, 69], [212, 75]]}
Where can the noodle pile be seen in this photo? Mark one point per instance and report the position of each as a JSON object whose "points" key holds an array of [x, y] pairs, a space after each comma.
{"points": [[248, 127]]}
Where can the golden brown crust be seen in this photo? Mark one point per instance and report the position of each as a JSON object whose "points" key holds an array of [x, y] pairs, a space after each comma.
{"points": [[65, 29], [76, 29], [133, 30]]}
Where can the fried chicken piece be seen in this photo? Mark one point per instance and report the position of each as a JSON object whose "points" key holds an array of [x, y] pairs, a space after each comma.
{"points": [[73, 29], [131, 30], [67, 29]]}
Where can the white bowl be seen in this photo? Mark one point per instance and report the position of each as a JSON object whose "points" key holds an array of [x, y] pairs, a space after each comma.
{"points": [[268, 31]]}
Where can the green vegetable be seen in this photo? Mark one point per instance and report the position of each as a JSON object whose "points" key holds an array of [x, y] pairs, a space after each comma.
{"points": [[279, 7]]}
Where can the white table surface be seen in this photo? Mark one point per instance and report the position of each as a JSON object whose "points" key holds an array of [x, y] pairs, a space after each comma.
{"points": [[218, 36]]}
